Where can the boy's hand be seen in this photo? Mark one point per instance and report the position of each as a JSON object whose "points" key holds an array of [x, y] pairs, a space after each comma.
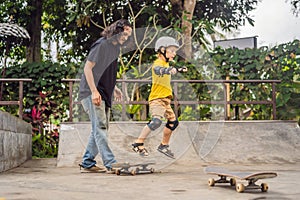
{"points": [[182, 69], [173, 70]]}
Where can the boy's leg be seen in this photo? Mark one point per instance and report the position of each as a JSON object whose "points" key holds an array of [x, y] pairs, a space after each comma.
{"points": [[167, 132], [172, 122], [171, 125], [166, 136], [144, 134], [138, 145], [156, 111]]}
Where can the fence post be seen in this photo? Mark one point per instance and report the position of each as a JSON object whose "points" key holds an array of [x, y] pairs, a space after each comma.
{"points": [[21, 99], [123, 101], [70, 101], [225, 85], [176, 99], [274, 100]]}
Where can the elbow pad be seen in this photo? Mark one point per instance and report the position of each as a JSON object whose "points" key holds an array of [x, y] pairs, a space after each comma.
{"points": [[161, 70]]}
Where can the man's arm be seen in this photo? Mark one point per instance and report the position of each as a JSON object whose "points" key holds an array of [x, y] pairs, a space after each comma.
{"points": [[88, 67]]}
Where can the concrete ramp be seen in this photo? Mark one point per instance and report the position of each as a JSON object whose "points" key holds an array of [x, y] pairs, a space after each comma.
{"points": [[74, 137], [211, 142], [249, 142]]}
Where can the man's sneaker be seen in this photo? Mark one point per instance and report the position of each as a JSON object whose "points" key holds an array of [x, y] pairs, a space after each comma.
{"points": [[110, 170], [139, 148], [93, 169], [165, 150]]}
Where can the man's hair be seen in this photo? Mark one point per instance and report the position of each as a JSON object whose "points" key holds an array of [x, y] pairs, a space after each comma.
{"points": [[115, 28]]}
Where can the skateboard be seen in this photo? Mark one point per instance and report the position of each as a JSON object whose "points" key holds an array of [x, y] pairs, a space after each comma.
{"points": [[250, 177], [133, 169]]}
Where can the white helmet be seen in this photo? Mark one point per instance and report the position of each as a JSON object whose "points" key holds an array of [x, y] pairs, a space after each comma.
{"points": [[165, 41]]}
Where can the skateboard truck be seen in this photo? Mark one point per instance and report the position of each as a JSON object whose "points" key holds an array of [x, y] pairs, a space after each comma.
{"points": [[222, 179], [251, 178]]}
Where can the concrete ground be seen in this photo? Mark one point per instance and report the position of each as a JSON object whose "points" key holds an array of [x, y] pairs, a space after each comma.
{"points": [[40, 179], [273, 147]]}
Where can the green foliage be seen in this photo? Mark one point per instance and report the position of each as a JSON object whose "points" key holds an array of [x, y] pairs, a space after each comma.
{"points": [[45, 122], [46, 77], [46, 100], [44, 145], [195, 112], [277, 63]]}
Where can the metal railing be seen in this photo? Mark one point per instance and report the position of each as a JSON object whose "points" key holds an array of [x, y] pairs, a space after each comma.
{"points": [[21, 96], [226, 101]]}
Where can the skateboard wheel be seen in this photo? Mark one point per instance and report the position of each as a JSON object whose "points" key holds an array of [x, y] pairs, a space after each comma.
{"points": [[133, 172], [118, 172], [211, 182], [152, 170], [232, 182], [264, 187], [240, 187]]}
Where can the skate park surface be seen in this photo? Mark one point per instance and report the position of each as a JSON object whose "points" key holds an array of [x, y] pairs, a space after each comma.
{"points": [[265, 146]]}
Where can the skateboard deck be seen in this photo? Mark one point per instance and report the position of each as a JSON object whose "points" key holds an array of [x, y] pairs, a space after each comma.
{"points": [[133, 169], [250, 177]]}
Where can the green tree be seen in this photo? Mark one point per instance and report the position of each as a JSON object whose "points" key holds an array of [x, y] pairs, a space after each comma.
{"points": [[295, 6], [191, 17], [34, 27]]}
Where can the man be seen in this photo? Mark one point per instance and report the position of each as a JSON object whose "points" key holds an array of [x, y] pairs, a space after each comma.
{"points": [[96, 90]]}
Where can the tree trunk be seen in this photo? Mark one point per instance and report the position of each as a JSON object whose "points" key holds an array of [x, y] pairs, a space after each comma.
{"points": [[33, 53], [187, 15], [177, 8]]}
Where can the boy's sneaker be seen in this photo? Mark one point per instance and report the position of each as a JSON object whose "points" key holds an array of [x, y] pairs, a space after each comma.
{"points": [[165, 150], [139, 148], [93, 169]]}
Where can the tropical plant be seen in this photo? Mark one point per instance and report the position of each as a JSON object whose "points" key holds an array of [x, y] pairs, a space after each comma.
{"points": [[44, 118]]}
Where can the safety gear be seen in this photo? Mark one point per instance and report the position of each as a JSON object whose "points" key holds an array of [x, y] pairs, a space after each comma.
{"points": [[162, 70], [154, 123], [174, 123], [165, 41]]}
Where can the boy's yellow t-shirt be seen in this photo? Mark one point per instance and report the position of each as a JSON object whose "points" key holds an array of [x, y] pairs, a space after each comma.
{"points": [[161, 85]]}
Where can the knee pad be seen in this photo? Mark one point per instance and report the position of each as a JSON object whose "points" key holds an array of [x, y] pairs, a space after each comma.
{"points": [[154, 123], [172, 125]]}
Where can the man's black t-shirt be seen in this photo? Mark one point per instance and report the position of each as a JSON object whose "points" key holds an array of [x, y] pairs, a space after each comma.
{"points": [[105, 55]]}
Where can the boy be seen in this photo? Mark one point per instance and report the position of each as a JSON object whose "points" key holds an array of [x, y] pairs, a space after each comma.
{"points": [[160, 97]]}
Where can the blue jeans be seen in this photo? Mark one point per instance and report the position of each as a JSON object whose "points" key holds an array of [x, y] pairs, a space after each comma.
{"points": [[99, 116]]}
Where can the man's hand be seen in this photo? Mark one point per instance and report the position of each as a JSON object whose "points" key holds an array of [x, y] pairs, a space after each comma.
{"points": [[96, 98], [118, 94]]}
